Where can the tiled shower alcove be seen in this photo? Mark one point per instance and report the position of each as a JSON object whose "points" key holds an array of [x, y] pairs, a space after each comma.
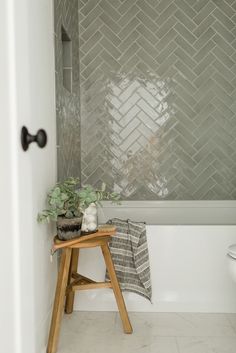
{"points": [[157, 98]]}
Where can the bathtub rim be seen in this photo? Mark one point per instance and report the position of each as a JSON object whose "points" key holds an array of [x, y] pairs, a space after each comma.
{"points": [[172, 212]]}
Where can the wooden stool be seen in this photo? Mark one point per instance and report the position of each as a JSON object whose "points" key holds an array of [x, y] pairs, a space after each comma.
{"points": [[69, 280]]}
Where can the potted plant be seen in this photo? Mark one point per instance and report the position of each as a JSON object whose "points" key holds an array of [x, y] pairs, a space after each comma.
{"points": [[74, 207]]}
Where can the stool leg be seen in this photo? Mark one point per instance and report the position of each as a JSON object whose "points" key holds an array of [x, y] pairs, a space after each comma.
{"points": [[116, 288], [73, 268], [59, 300]]}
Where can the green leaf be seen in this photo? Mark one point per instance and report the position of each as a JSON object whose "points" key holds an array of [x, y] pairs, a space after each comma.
{"points": [[64, 196], [56, 192], [69, 214]]}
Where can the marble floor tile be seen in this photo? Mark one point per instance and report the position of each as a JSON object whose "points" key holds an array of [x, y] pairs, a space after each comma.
{"points": [[206, 344], [232, 320], [163, 345], [184, 324], [86, 329], [101, 332], [89, 322]]}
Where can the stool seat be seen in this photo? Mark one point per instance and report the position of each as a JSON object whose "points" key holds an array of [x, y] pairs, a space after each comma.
{"points": [[85, 243], [100, 233], [69, 280]]}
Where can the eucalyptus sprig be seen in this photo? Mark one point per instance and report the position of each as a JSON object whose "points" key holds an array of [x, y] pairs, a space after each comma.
{"points": [[68, 199], [88, 195]]}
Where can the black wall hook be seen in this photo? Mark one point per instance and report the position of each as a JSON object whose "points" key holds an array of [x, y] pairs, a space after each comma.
{"points": [[26, 138]]}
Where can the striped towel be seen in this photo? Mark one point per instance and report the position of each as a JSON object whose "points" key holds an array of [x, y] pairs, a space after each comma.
{"points": [[129, 252]]}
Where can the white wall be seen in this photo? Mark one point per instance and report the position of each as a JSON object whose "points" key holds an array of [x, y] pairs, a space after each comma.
{"points": [[27, 98], [8, 311], [188, 269]]}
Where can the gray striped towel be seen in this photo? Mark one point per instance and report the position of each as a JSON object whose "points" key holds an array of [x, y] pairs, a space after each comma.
{"points": [[129, 252]]}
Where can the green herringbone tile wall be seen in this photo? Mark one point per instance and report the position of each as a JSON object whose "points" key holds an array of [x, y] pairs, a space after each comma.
{"points": [[158, 97]]}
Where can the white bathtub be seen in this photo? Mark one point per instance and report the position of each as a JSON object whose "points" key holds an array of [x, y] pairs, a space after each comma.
{"points": [[188, 270]]}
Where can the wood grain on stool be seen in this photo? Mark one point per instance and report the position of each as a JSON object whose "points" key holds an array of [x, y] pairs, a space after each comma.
{"points": [[69, 280], [116, 289], [59, 300], [73, 269]]}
